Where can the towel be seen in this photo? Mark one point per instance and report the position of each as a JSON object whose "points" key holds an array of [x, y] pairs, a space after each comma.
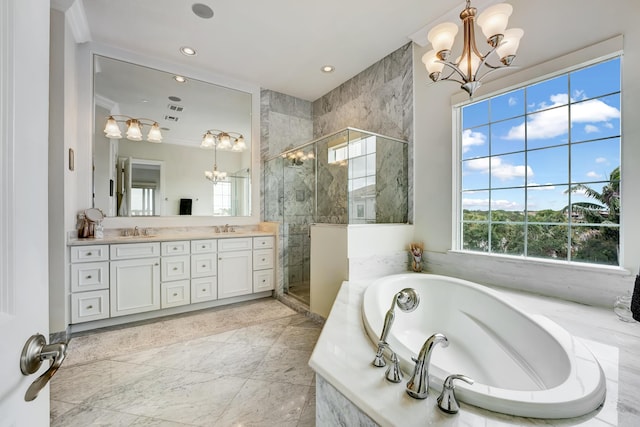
{"points": [[635, 300]]}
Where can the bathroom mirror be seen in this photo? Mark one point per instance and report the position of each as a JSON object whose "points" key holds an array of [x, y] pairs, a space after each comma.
{"points": [[167, 178]]}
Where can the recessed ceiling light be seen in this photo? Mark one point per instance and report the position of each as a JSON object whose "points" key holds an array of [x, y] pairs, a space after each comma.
{"points": [[202, 10], [328, 68], [179, 79], [187, 51]]}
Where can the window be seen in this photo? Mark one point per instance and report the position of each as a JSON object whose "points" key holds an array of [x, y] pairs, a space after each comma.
{"points": [[222, 198], [540, 169], [143, 199]]}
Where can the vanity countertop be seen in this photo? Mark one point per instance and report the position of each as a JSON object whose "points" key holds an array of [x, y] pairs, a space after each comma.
{"points": [[162, 235]]}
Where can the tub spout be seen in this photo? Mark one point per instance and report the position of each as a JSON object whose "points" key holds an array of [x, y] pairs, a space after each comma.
{"points": [[418, 385], [407, 300]]}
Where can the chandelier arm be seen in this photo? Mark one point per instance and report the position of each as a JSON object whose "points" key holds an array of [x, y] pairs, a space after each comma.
{"points": [[492, 69], [454, 69]]}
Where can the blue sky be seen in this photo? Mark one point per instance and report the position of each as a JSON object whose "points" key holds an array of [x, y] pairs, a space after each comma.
{"points": [[546, 115]]}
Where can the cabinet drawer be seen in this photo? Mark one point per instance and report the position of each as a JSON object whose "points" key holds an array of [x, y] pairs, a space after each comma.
{"points": [[262, 280], [262, 259], [88, 306], [135, 250], [175, 268], [265, 242], [204, 246], [203, 265], [89, 276], [89, 253], [174, 294], [241, 244], [204, 289], [175, 248]]}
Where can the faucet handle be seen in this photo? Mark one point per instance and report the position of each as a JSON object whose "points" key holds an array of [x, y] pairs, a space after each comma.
{"points": [[394, 374], [379, 361], [447, 401]]}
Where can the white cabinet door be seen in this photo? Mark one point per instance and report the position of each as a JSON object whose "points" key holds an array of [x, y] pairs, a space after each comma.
{"points": [[134, 286], [235, 273]]}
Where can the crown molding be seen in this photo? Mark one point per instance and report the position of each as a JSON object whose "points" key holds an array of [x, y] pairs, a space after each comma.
{"points": [[75, 17]]}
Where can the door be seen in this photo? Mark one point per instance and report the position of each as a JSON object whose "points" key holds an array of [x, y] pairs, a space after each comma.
{"points": [[24, 282], [235, 274]]}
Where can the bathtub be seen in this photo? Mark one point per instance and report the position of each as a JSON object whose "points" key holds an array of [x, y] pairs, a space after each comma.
{"points": [[522, 365]]}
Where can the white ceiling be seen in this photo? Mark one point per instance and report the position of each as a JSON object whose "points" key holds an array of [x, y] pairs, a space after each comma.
{"points": [[278, 44]]}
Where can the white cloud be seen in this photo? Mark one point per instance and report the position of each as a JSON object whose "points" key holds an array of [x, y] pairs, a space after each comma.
{"points": [[506, 205], [552, 123], [475, 203], [499, 169], [483, 204], [471, 139], [592, 174], [601, 160], [591, 129], [512, 101]]}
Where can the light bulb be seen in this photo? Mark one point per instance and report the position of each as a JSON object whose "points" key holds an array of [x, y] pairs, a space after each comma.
{"points": [[442, 36], [430, 61], [133, 130], [154, 134], [208, 140], [509, 44], [494, 19], [111, 129], [225, 141]]}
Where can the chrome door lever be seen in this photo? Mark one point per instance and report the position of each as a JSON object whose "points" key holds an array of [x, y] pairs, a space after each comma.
{"points": [[34, 352]]}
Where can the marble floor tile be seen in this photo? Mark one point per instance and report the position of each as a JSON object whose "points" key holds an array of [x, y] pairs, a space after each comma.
{"points": [[263, 403], [197, 369]]}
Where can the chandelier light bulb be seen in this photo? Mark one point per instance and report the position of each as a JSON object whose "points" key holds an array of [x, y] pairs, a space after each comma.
{"points": [[442, 36], [430, 61], [509, 45], [494, 20]]}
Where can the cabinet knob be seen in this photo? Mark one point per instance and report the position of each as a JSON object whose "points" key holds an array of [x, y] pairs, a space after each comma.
{"points": [[204, 246], [263, 259], [175, 268], [156, 264], [89, 277], [89, 254], [175, 294], [219, 259], [204, 289], [203, 265], [175, 248], [264, 280], [89, 307]]}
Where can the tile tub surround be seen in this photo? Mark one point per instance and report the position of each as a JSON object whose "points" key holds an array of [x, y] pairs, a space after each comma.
{"points": [[342, 358], [196, 369]]}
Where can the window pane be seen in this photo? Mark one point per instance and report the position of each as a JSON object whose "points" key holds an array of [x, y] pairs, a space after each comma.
{"points": [[507, 239], [594, 161], [475, 142], [597, 245], [475, 114], [371, 164], [475, 236], [507, 205], [507, 136], [547, 94], [547, 241], [508, 171], [475, 205], [590, 82], [595, 203], [358, 167], [547, 203], [547, 128], [475, 174], [548, 166], [595, 118], [508, 105]]}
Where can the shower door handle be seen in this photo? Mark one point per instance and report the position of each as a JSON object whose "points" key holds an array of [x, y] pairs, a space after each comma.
{"points": [[35, 351]]}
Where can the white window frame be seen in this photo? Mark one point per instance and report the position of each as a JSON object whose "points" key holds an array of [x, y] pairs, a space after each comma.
{"points": [[582, 58]]}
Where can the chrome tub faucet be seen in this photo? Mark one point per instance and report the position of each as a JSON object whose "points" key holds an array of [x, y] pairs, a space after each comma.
{"points": [[418, 385]]}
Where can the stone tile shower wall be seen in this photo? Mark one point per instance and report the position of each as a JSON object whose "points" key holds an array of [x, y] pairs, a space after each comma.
{"points": [[379, 100]]}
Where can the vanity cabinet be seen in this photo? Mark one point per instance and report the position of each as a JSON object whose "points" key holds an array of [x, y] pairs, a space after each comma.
{"points": [[134, 284], [263, 264], [120, 279], [235, 271]]}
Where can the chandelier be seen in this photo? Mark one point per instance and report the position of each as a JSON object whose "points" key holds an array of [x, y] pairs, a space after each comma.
{"points": [[215, 175], [134, 128], [471, 66], [223, 140]]}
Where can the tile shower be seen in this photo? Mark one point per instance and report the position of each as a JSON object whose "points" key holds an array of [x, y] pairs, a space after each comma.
{"points": [[348, 177]]}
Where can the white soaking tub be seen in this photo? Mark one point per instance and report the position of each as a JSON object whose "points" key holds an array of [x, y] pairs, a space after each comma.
{"points": [[522, 365]]}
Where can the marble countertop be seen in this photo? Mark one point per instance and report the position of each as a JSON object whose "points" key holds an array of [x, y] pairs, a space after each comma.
{"points": [[163, 235], [343, 356]]}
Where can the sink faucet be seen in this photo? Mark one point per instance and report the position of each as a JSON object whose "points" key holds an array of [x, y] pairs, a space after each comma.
{"points": [[136, 231], [418, 385], [225, 229]]}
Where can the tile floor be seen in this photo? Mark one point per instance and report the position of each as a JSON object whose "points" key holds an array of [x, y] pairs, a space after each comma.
{"points": [[244, 364]]}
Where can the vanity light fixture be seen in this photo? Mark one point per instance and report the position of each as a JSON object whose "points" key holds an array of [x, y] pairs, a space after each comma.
{"points": [[233, 141], [298, 157], [134, 128], [467, 68], [215, 175]]}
